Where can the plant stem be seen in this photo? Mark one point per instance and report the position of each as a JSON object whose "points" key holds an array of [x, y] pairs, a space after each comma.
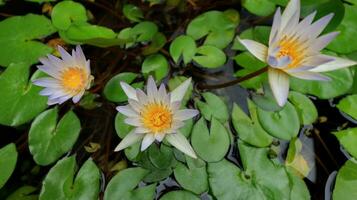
{"points": [[238, 80]]}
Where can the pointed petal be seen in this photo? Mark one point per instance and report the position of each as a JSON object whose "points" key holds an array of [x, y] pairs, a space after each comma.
{"points": [[322, 41], [142, 98], [317, 60], [127, 111], [257, 49], [133, 121], [128, 140], [141, 130], [185, 114], [298, 69], [317, 27], [337, 63], [50, 70], [307, 75], [163, 97], [135, 105], [279, 83], [181, 143], [159, 137], [78, 97], [275, 27], [129, 91], [289, 12], [147, 141], [66, 57], [47, 82], [178, 93], [151, 88]]}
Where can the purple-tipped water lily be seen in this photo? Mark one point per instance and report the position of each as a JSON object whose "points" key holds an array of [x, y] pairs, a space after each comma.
{"points": [[294, 49]]}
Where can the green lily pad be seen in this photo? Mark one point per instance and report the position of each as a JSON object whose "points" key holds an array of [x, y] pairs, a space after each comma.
{"points": [[348, 105], [123, 186], [259, 7], [49, 140], [19, 98], [23, 193], [179, 195], [8, 158], [157, 42], [61, 183], [299, 190], [248, 128], [257, 33], [17, 34], [144, 31], [162, 157], [348, 139], [283, 124], [67, 12], [342, 81], [113, 91], [209, 56], [213, 107], [216, 138], [132, 12], [346, 181], [192, 177], [183, 46], [304, 107], [156, 64]]}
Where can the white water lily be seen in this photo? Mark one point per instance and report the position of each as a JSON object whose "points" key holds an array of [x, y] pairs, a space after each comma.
{"points": [[294, 49], [70, 76], [156, 115]]}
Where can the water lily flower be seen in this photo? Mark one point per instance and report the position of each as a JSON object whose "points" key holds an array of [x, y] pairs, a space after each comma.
{"points": [[69, 77], [155, 116], [294, 49]]}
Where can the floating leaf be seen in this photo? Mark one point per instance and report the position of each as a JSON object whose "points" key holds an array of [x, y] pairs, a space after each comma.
{"points": [[342, 81], [295, 159], [113, 91], [157, 65], [132, 12], [249, 129], [346, 181], [299, 190], [348, 105], [348, 139], [49, 140], [8, 158], [144, 31], [209, 56], [259, 7], [283, 124], [305, 108], [158, 41], [162, 157], [60, 182], [67, 12], [183, 46], [257, 33], [123, 184], [17, 35], [23, 193], [18, 94], [216, 138], [179, 195], [213, 107]]}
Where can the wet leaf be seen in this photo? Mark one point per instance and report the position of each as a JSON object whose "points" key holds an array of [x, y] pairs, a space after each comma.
{"points": [[248, 128], [113, 91], [216, 138], [348, 139], [183, 46], [157, 65], [259, 7], [18, 96], [299, 190], [213, 107], [158, 41], [348, 105], [132, 12], [283, 124], [67, 12], [123, 186], [8, 158], [295, 159], [61, 182], [49, 139], [305, 108], [23, 193], [192, 178], [342, 81], [162, 157], [144, 31], [28, 28], [179, 195], [346, 181], [209, 56]]}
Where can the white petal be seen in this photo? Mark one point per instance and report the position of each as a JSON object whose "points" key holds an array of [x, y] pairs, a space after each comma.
{"points": [[133, 121], [135, 105], [147, 141], [159, 137], [47, 91], [175, 105], [128, 140], [257, 49], [127, 111], [151, 88], [275, 27], [322, 41], [317, 27], [129, 91], [298, 69], [162, 95], [141, 130], [305, 22], [279, 83], [178, 93], [142, 98], [307, 75], [78, 97], [50, 70], [79, 56], [46, 82], [289, 12], [337, 63], [67, 58], [185, 114], [316, 60], [279, 63], [181, 143]]}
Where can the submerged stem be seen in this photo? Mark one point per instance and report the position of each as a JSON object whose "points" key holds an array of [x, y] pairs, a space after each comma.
{"points": [[238, 80]]}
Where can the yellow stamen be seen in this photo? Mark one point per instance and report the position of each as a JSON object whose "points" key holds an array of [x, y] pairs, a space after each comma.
{"points": [[290, 46], [73, 79], [157, 117]]}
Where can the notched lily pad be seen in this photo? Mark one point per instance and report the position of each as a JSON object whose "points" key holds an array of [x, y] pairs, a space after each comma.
{"points": [[8, 158]]}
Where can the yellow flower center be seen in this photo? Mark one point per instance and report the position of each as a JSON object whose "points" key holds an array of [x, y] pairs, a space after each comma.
{"points": [[156, 117], [73, 79], [290, 46]]}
